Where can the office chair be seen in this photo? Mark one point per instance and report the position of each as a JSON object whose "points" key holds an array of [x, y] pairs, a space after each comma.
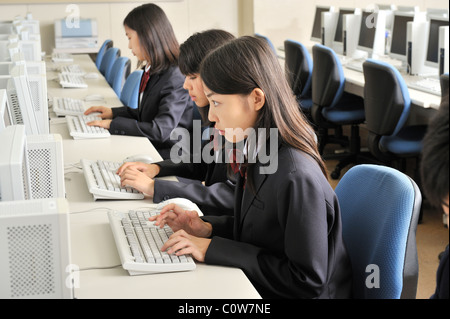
{"points": [[379, 210], [119, 73], [333, 108], [130, 91], [260, 36], [111, 55], [387, 106], [298, 68], [101, 52], [444, 84]]}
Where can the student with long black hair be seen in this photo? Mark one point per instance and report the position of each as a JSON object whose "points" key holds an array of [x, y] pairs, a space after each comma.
{"points": [[163, 103], [286, 232], [215, 196]]}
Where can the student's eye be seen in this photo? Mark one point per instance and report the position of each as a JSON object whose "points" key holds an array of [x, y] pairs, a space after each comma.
{"points": [[215, 103], [193, 77]]}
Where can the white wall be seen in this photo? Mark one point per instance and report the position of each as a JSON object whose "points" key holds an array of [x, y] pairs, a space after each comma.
{"points": [[186, 16]]}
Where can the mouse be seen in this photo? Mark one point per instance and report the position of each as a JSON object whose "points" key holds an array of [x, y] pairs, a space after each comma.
{"points": [[91, 75], [144, 158], [94, 97], [184, 203]]}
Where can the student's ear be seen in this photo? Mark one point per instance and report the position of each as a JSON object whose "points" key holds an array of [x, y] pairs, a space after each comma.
{"points": [[257, 98]]}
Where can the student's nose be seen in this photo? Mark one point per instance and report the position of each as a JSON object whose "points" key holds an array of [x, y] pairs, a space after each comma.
{"points": [[212, 117], [186, 84]]}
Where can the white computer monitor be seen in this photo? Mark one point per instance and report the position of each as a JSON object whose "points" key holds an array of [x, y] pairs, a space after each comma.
{"points": [[31, 49], [437, 12], [38, 90], [6, 27], [372, 33], [432, 53], [398, 45], [316, 32], [35, 255], [14, 173], [5, 117], [339, 33]]}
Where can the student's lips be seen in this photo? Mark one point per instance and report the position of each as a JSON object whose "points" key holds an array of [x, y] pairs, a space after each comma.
{"points": [[221, 132]]}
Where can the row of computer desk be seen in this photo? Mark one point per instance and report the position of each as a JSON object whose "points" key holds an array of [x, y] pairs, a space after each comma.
{"points": [[93, 249]]}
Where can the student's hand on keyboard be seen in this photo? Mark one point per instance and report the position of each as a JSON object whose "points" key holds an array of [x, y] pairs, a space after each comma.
{"points": [[181, 243], [178, 218], [151, 170], [105, 112], [131, 177], [103, 123]]}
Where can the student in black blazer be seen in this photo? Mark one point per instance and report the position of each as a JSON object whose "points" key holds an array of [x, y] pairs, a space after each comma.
{"points": [[215, 196], [286, 232], [434, 167], [163, 102]]}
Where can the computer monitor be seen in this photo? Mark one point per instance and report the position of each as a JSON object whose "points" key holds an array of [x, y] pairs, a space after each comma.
{"points": [[316, 33], [31, 49], [35, 255], [31, 166], [339, 34], [437, 12], [38, 90], [372, 33], [14, 174], [398, 47], [432, 53], [6, 28], [5, 117]]}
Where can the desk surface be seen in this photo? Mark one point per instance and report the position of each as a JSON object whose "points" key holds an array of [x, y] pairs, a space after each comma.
{"points": [[93, 248]]}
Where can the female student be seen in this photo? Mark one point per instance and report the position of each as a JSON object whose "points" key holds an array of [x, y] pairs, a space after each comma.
{"points": [[216, 195], [163, 104], [286, 230]]}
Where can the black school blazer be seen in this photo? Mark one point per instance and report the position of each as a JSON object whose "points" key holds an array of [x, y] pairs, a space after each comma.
{"points": [[165, 105]]}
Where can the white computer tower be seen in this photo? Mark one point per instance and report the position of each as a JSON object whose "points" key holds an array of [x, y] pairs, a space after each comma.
{"points": [[35, 250], [45, 166]]}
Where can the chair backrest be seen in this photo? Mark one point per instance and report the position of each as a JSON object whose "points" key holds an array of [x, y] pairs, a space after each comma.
{"points": [[444, 84], [298, 67], [130, 91], [101, 52], [328, 78], [111, 55], [386, 98], [119, 73], [380, 209]]}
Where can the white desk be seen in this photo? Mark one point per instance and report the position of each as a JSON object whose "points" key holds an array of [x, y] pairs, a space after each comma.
{"points": [[93, 248]]}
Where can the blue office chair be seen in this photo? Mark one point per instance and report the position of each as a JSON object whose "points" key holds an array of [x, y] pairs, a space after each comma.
{"points": [[101, 52], [260, 36], [387, 106], [119, 73], [379, 210], [130, 91], [333, 108], [298, 67], [111, 55]]}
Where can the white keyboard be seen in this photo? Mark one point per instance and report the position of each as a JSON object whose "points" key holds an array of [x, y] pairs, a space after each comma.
{"points": [[62, 57], [104, 183], [427, 85], [67, 106], [68, 80], [72, 69], [139, 243], [79, 129], [354, 65]]}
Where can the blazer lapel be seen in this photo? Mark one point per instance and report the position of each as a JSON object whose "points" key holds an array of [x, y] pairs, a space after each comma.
{"points": [[249, 195], [151, 83]]}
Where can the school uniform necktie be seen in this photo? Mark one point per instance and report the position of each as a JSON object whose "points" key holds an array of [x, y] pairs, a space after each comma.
{"points": [[144, 81], [236, 162]]}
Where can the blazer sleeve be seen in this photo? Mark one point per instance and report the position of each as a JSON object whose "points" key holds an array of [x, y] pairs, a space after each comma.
{"points": [[301, 269], [172, 105]]}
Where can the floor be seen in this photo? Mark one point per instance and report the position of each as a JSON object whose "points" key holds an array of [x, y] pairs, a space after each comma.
{"points": [[432, 237]]}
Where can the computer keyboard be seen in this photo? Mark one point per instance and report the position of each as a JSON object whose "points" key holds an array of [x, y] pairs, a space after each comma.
{"points": [[63, 106], [427, 84], [139, 243], [355, 65], [104, 183], [62, 57], [68, 80], [79, 129], [72, 69]]}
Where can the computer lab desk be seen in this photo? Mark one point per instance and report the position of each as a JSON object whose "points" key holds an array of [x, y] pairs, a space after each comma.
{"points": [[93, 251]]}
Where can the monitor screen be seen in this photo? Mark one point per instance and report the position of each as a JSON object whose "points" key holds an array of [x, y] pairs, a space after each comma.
{"points": [[433, 39], [5, 118], [338, 34], [367, 30], [317, 26], [398, 42]]}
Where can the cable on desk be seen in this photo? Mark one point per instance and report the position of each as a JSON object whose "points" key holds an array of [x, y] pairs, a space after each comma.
{"points": [[100, 268]]}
